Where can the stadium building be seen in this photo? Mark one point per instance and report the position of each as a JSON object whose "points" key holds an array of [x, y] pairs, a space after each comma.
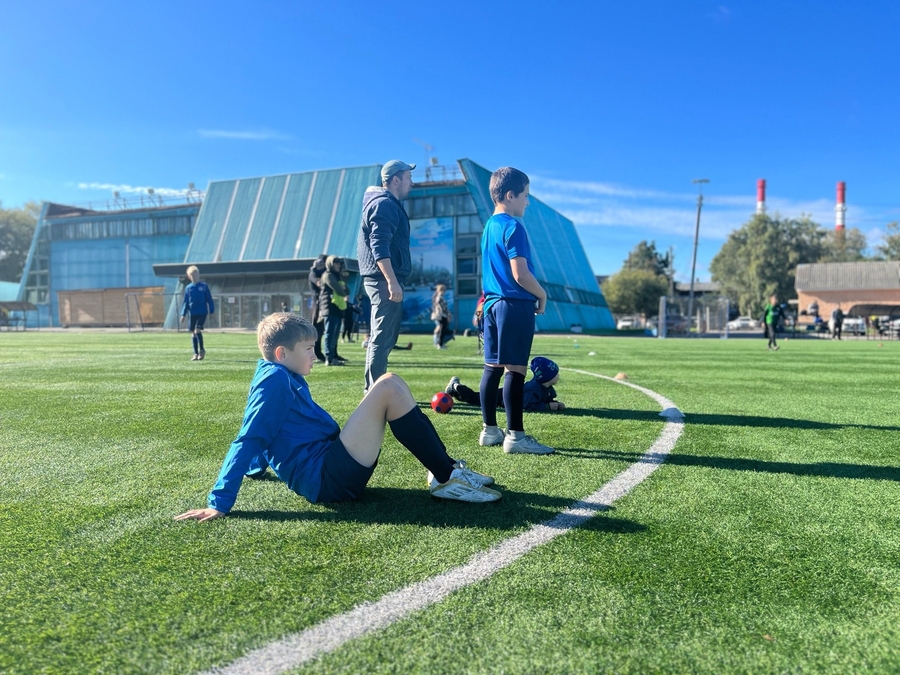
{"points": [[254, 240], [83, 264]]}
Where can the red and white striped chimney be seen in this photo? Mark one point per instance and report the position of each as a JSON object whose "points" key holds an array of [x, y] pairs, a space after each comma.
{"points": [[761, 195], [840, 208]]}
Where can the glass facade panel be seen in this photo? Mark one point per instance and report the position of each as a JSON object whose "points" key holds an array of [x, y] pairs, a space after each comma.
{"points": [[421, 207], [468, 287], [466, 266]]}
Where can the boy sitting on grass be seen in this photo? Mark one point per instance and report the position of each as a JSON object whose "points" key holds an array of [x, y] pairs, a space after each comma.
{"points": [[540, 396], [306, 448]]}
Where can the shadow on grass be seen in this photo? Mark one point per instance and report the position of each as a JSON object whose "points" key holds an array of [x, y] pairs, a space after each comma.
{"points": [[722, 420], [396, 506], [818, 469]]}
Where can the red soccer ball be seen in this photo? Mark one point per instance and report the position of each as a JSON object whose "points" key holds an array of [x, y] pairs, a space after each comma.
{"points": [[441, 402]]}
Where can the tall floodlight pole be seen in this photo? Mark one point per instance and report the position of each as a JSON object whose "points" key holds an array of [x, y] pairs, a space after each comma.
{"points": [[699, 183]]}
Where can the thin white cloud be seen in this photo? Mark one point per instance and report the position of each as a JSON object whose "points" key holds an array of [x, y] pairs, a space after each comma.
{"points": [[259, 135], [653, 211], [130, 189]]}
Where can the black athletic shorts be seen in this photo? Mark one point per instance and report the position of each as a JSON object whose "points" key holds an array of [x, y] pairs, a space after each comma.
{"points": [[197, 321], [343, 478]]}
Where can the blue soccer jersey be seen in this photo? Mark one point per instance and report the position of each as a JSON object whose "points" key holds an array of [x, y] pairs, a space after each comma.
{"points": [[283, 426], [504, 238]]}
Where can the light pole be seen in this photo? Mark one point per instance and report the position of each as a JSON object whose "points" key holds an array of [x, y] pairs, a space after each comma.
{"points": [[699, 182]]}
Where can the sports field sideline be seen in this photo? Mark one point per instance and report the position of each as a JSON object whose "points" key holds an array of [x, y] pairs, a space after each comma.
{"points": [[767, 541]]}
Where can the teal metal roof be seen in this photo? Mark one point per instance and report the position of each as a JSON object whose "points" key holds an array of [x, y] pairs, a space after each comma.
{"points": [[293, 216]]}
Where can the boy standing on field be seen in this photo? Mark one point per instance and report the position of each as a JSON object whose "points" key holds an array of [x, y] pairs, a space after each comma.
{"points": [[198, 301], [285, 429], [512, 298]]}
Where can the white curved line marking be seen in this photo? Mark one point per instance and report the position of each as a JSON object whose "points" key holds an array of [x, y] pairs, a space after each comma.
{"points": [[294, 650]]}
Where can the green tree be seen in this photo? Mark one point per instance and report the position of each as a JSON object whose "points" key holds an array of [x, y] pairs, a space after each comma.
{"points": [[631, 291], [644, 256], [16, 232], [844, 246], [889, 249], [761, 258]]}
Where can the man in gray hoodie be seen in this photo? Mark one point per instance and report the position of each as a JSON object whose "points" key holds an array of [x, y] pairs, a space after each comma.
{"points": [[385, 261]]}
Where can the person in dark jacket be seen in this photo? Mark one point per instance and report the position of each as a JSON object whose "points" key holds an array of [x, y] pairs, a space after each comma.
{"points": [[315, 277], [540, 396], [384, 261], [350, 320], [333, 294], [198, 301]]}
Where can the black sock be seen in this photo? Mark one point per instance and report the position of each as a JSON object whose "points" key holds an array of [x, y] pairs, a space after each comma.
{"points": [[416, 433], [514, 400], [194, 340], [200, 339], [490, 380]]}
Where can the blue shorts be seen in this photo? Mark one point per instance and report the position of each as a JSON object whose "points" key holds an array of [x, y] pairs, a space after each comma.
{"points": [[197, 321], [343, 478], [509, 332]]}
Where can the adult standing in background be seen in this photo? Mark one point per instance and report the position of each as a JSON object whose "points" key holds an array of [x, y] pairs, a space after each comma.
{"points": [[837, 322], [440, 314], [773, 314], [384, 261], [333, 294], [315, 285]]}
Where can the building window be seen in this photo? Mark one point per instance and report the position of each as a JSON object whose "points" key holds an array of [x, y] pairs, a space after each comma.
{"points": [[469, 287], [421, 207], [466, 266]]}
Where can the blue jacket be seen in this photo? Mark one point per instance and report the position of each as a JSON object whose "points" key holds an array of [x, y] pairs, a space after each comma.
{"points": [[383, 233], [197, 299], [284, 428], [537, 396]]}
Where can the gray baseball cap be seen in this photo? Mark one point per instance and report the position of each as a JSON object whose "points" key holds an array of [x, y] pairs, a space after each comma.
{"points": [[394, 167]]}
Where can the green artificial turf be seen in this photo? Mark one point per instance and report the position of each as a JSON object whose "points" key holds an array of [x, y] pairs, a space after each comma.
{"points": [[767, 542]]}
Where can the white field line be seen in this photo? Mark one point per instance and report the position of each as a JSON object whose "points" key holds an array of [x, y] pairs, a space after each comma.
{"points": [[299, 648]]}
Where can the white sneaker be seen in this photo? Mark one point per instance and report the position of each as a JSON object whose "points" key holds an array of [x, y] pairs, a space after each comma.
{"points": [[450, 389], [491, 436], [525, 445], [478, 478], [462, 488]]}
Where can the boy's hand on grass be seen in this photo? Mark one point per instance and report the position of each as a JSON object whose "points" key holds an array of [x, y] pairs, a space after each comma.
{"points": [[557, 405], [200, 514]]}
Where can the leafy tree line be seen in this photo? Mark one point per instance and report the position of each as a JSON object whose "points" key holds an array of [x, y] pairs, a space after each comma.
{"points": [[16, 232], [758, 259]]}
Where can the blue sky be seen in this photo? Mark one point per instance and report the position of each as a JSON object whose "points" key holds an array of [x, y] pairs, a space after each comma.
{"points": [[611, 108]]}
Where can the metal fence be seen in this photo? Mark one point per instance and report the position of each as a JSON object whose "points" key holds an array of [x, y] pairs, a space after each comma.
{"points": [[162, 311]]}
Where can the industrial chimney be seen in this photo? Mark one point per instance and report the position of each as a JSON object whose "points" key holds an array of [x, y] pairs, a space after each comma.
{"points": [[761, 195], [840, 209]]}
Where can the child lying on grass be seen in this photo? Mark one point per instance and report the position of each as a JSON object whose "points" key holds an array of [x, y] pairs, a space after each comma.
{"points": [[540, 396]]}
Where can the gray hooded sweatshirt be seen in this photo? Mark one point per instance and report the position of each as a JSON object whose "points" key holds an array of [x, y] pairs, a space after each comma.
{"points": [[384, 233]]}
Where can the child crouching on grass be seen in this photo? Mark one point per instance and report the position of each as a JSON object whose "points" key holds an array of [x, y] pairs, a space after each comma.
{"points": [[285, 429], [540, 396]]}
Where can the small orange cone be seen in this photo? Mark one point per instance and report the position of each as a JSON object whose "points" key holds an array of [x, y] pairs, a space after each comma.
{"points": [[621, 376]]}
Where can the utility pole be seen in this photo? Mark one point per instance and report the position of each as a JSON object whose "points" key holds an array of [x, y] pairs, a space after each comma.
{"points": [[699, 183]]}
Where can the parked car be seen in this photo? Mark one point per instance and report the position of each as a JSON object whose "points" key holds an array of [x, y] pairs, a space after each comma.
{"points": [[855, 325], [675, 323], [626, 323], [743, 323]]}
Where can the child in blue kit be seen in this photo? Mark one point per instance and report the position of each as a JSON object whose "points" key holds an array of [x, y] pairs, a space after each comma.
{"points": [[198, 301], [512, 298], [539, 394], [285, 429]]}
